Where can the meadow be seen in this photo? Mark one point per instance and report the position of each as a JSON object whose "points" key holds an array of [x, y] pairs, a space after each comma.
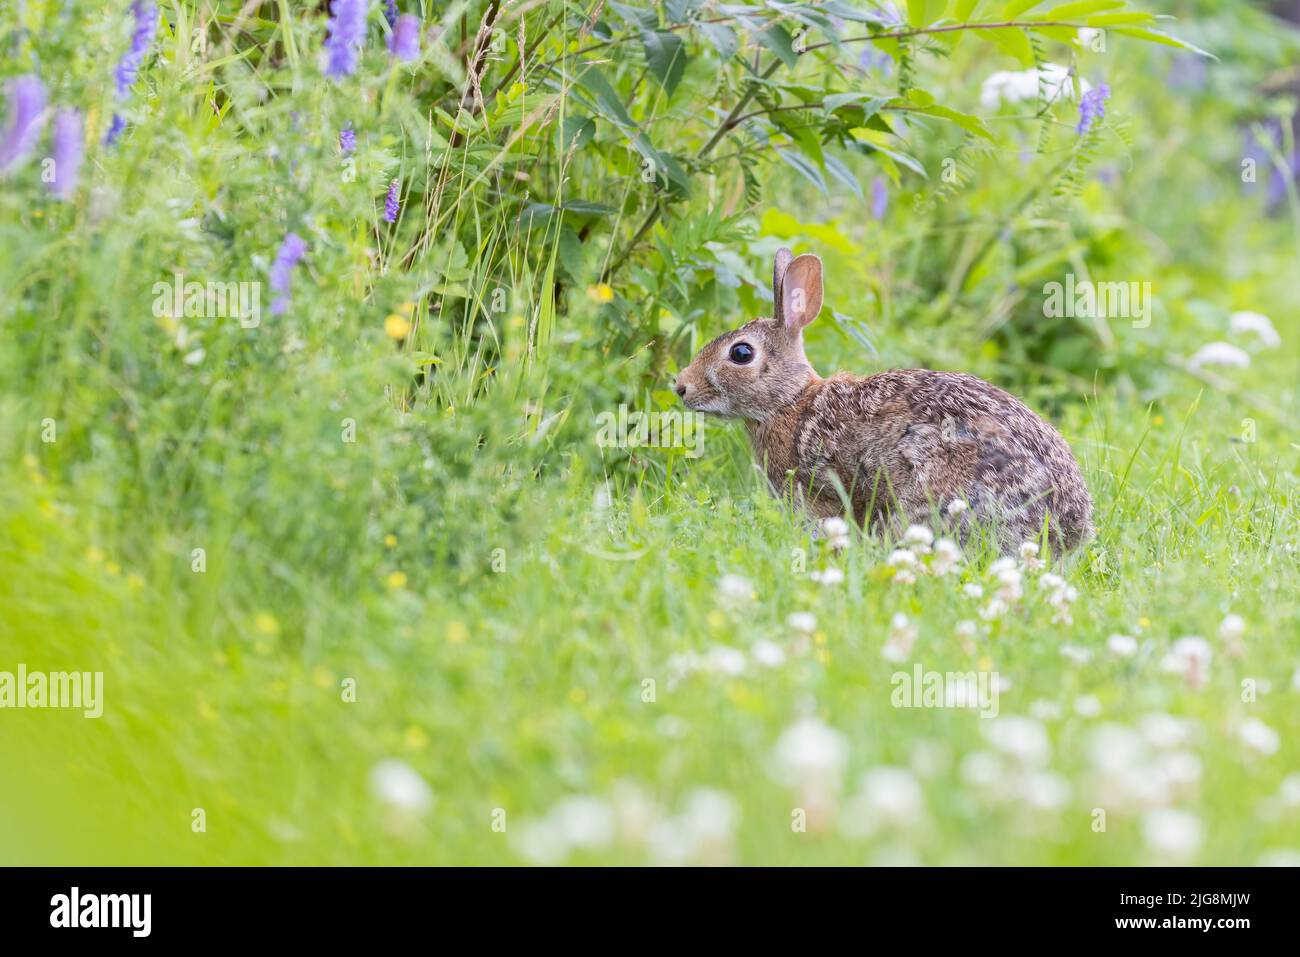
{"points": [[367, 583]]}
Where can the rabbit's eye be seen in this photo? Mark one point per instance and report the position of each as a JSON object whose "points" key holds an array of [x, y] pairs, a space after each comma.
{"points": [[742, 353]]}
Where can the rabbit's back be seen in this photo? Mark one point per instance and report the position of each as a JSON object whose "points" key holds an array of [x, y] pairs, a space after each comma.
{"points": [[905, 443]]}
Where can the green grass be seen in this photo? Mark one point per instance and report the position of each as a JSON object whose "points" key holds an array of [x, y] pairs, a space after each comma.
{"points": [[517, 689], [413, 549]]}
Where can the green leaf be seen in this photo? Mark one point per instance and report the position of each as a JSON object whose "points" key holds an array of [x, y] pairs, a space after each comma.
{"points": [[804, 167], [577, 132], [646, 19], [1156, 36], [1120, 19], [1017, 7], [665, 55], [963, 9], [969, 123], [777, 39], [845, 12], [723, 38], [922, 13], [1012, 42], [1079, 8], [607, 101], [836, 167], [871, 103]]}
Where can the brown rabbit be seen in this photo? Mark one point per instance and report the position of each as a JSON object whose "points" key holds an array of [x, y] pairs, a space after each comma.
{"points": [[903, 445]]}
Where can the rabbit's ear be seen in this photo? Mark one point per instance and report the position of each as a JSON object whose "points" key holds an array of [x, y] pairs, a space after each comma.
{"points": [[779, 266], [801, 292]]}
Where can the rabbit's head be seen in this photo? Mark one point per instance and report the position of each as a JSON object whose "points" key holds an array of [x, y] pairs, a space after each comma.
{"points": [[752, 371]]}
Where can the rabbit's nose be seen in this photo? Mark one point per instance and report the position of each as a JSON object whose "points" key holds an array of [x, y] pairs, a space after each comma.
{"points": [[681, 389]]}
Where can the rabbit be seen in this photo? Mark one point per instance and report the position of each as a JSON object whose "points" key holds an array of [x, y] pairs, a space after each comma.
{"points": [[908, 447]]}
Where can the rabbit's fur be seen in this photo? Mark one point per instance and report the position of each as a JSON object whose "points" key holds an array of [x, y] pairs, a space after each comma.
{"points": [[902, 444]]}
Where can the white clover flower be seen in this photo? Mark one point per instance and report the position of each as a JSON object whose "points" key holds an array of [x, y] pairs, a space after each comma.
{"points": [[1115, 748], [1233, 626], [994, 610], [1289, 790], [634, 809], [1087, 706], [902, 636], [768, 654], [587, 823], [1256, 323], [1231, 631], [1172, 833], [1190, 657], [1122, 646], [726, 661], [1029, 555], [735, 591], [1077, 654], [1181, 769], [887, 797], [1219, 354], [702, 833], [1164, 731], [901, 558], [1022, 739], [1050, 581], [955, 507], [1045, 790], [802, 622], [1061, 599], [1005, 563], [1045, 710], [919, 538], [966, 632], [983, 770], [834, 526], [710, 816], [1015, 86], [829, 576], [1258, 737], [400, 787], [1295, 680], [1008, 577], [810, 753], [947, 556], [972, 590], [836, 531], [903, 561], [539, 842]]}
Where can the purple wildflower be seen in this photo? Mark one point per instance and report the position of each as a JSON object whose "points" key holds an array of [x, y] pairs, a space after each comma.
{"points": [[26, 117], [69, 145], [391, 204], [390, 11], [1092, 107], [291, 250], [347, 36], [404, 42], [146, 22], [115, 129], [879, 198], [348, 141]]}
